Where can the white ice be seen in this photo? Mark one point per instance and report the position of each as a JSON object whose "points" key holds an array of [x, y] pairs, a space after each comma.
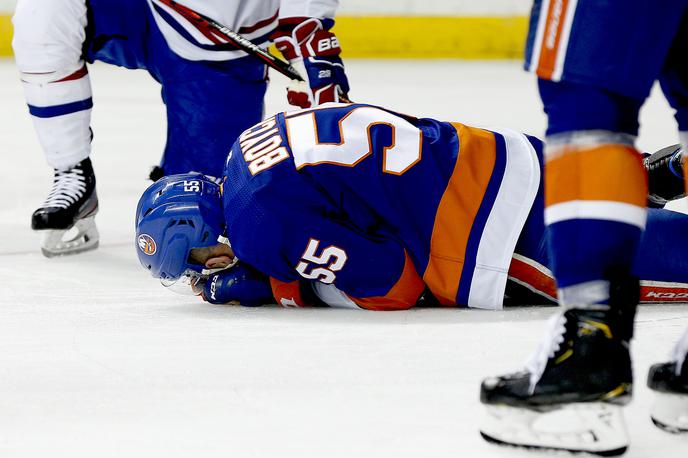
{"points": [[97, 359]]}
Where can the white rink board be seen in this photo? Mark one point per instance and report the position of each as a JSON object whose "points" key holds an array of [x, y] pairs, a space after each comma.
{"points": [[97, 359]]}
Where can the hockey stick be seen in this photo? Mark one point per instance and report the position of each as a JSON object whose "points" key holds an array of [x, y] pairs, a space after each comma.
{"points": [[216, 32]]}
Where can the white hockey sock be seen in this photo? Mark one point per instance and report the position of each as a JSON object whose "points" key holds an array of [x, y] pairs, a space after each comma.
{"points": [[61, 112]]}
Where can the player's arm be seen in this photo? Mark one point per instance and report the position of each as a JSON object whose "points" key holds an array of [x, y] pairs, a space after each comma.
{"points": [[304, 37], [329, 263], [374, 275], [240, 284], [385, 280]]}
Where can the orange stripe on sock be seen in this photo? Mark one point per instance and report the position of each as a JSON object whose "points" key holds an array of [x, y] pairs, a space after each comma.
{"points": [[457, 211], [609, 173], [685, 169], [554, 24], [403, 295]]}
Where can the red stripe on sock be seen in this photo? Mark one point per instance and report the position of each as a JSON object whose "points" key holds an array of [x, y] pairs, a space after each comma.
{"points": [[83, 71]]}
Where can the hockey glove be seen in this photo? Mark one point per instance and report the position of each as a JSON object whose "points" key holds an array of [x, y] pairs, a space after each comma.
{"points": [[310, 47], [665, 176], [241, 283]]}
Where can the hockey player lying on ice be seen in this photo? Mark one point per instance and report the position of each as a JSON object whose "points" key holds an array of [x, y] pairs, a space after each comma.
{"points": [[360, 207]]}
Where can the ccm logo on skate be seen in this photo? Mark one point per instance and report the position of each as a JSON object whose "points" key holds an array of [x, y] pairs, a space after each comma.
{"points": [[147, 244]]}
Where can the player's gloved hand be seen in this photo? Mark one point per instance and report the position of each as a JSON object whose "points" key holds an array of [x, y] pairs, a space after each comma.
{"points": [[241, 283], [312, 49]]}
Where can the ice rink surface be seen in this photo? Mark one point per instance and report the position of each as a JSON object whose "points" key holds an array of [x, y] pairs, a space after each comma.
{"points": [[97, 359]]}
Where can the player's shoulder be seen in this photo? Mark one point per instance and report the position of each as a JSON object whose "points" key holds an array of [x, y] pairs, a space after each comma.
{"points": [[256, 150]]}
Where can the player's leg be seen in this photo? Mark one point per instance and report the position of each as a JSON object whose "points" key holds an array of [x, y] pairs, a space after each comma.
{"points": [[592, 85], [660, 263], [663, 264], [674, 80], [670, 380], [48, 40], [530, 280], [208, 106], [662, 260]]}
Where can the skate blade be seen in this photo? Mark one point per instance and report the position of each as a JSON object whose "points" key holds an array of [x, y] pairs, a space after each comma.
{"points": [[594, 428], [670, 412], [83, 236]]}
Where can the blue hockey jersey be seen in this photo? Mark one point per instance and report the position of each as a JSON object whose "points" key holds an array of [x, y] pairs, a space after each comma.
{"points": [[367, 208]]}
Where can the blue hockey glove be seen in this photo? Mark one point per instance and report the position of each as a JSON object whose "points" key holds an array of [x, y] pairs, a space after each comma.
{"points": [[241, 283], [309, 45]]}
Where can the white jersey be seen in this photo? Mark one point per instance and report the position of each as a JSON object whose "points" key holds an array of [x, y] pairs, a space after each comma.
{"points": [[254, 19]]}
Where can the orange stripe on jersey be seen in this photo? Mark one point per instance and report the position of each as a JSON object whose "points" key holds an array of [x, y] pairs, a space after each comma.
{"points": [[605, 173], [287, 294], [457, 211], [554, 24], [403, 295]]}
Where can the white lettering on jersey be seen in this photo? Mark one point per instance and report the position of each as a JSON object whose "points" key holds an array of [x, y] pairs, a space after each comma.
{"points": [[261, 146], [553, 26], [332, 255]]}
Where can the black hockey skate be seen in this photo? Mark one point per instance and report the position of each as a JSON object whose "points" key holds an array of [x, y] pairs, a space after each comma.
{"points": [[665, 176], [670, 383], [569, 397], [67, 216]]}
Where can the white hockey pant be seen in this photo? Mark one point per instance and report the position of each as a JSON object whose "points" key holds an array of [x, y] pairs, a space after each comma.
{"points": [[48, 40]]}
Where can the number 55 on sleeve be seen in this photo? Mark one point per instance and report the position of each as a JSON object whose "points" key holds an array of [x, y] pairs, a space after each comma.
{"points": [[344, 267]]}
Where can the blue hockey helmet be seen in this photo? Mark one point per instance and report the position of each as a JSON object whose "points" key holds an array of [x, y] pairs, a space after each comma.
{"points": [[174, 215]]}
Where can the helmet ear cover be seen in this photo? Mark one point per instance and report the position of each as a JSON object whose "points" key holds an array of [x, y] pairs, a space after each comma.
{"points": [[174, 215]]}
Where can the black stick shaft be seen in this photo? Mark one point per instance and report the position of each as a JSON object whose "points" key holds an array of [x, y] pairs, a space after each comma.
{"points": [[236, 39]]}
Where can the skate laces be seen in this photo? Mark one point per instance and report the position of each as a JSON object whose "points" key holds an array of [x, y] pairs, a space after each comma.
{"points": [[68, 187], [554, 337]]}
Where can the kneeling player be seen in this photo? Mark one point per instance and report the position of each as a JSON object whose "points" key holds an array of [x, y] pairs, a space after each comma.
{"points": [[360, 207], [212, 90]]}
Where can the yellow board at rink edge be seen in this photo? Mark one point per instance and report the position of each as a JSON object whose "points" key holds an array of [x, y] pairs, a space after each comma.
{"points": [[401, 37], [434, 37], [5, 35]]}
